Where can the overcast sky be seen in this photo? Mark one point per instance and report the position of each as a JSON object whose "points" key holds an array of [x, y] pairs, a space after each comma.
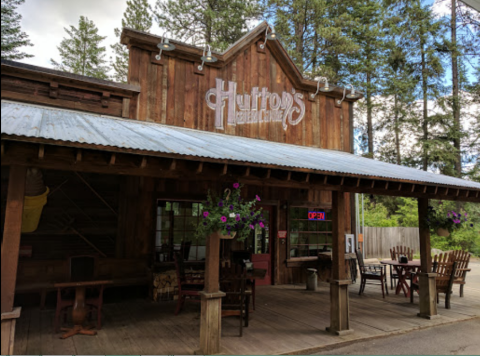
{"points": [[44, 21]]}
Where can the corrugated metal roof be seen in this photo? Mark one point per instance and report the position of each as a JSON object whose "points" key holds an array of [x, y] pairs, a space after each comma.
{"points": [[63, 125]]}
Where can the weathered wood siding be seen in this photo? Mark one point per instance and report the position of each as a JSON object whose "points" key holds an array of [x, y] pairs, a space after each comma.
{"points": [[379, 240], [173, 93]]}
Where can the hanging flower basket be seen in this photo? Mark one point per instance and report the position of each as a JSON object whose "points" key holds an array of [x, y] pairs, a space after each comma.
{"points": [[230, 236], [229, 215], [444, 222], [443, 232]]}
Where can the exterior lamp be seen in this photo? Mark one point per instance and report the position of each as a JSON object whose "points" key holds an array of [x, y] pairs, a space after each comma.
{"points": [[207, 58], [165, 45], [272, 36], [326, 88], [352, 95]]}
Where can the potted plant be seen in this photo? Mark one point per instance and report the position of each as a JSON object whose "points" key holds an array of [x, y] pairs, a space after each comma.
{"points": [[230, 215], [443, 223]]}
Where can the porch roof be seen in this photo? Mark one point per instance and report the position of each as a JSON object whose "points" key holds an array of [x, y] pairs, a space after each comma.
{"points": [[59, 126]]}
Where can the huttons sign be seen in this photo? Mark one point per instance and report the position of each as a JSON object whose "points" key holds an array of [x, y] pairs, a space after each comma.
{"points": [[258, 106]]}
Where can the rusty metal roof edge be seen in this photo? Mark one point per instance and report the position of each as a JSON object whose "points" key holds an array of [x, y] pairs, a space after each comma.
{"points": [[471, 184]]}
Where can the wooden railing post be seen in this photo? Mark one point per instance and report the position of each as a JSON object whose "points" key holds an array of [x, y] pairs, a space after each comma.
{"points": [[211, 300], [10, 251], [339, 303], [426, 279]]}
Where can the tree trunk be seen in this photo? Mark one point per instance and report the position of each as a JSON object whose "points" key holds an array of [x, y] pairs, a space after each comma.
{"points": [[456, 100], [425, 108], [397, 132], [369, 117]]}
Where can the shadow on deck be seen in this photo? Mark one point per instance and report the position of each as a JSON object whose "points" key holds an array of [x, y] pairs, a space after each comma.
{"points": [[287, 319]]}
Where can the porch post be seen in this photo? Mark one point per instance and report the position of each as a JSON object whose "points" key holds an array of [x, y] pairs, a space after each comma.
{"points": [[339, 304], [211, 304], [10, 251], [426, 279]]}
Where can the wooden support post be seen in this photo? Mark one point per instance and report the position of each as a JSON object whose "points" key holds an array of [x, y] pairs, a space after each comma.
{"points": [[427, 288], [10, 250], [339, 303], [211, 300]]}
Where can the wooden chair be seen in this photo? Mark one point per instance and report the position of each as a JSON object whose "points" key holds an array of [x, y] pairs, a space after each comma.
{"points": [[373, 272], [185, 249], [189, 286], [238, 257], [237, 296], [395, 252], [80, 268], [444, 265], [462, 258]]}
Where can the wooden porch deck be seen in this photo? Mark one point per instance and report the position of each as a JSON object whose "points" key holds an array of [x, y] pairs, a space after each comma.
{"points": [[288, 319]]}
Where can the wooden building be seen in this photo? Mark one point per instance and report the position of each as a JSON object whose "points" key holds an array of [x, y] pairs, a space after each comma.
{"points": [[128, 166]]}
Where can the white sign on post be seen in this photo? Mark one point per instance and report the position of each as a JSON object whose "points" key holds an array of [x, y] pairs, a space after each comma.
{"points": [[349, 243], [258, 106]]}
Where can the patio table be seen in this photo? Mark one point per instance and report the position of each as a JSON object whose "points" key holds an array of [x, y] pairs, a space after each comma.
{"points": [[403, 271], [79, 311]]}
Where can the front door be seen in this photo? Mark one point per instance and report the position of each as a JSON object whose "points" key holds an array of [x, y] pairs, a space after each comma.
{"points": [[260, 244]]}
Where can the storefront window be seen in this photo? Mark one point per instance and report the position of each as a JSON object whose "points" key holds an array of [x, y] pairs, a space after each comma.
{"points": [[309, 233], [175, 232]]}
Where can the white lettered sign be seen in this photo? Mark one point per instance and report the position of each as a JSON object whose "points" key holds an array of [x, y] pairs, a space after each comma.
{"points": [[258, 106]]}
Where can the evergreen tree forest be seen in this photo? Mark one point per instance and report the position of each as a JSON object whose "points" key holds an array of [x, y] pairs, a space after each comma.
{"points": [[13, 38]]}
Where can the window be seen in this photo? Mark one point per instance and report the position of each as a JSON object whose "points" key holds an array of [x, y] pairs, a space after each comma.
{"points": [[175, 232], [309, 237]]}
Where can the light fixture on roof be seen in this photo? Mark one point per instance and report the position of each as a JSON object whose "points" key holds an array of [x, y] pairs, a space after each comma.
{"points": [[352, 95], [326, 88], [269, 36], [164, 45], [208, 58]]}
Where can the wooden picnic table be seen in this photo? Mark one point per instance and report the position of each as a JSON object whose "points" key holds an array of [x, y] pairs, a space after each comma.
{"points": [[79, 310], [403, 271]]}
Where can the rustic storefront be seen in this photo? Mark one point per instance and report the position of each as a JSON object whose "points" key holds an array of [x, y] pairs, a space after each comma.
{"points": [[128, 167]]}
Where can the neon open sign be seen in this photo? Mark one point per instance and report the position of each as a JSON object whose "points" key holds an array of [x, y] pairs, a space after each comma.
{"points": [[316, 215]]}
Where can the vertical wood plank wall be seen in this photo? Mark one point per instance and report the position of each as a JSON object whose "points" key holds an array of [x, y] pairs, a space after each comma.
{"points": [[379, 240], [173, 94]]}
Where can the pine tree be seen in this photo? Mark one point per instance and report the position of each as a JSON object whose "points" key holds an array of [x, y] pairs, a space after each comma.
{"points": [[12, 36], [316, 34], [137, 16], [81, 53], [218, 23], [368, 62]]}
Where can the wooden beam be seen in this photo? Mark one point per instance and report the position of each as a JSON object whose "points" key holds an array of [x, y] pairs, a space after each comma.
{"points": [[105, 99], [400, 187], [425, 189], [96, 193], [436, 190], [173, 165], [225, 170], [78, 156], [143, 164], [446, 191], [113, 159], [3, 148], [199, 169], [41, 151], [53, 93], [386, 185], [11, 234], [247, 172], [325, 180], [342, 181], [427, 290], [413, 188], [289, 176], [458, 193], [307, 178], [373, 184], [358, 182]]}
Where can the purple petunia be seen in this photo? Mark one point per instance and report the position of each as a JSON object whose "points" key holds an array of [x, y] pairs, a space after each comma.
{"points": [[252, 213], [471, 225], [252, 227], [228, 227], [261, 225], [236, 185], [205, 214], [220, 204], [231, 207], [223, 218], [237, 218], [258, 198]]}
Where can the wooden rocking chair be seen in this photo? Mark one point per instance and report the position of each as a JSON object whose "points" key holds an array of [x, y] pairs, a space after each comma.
{"points": [[444, 265], [462, 258]]}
